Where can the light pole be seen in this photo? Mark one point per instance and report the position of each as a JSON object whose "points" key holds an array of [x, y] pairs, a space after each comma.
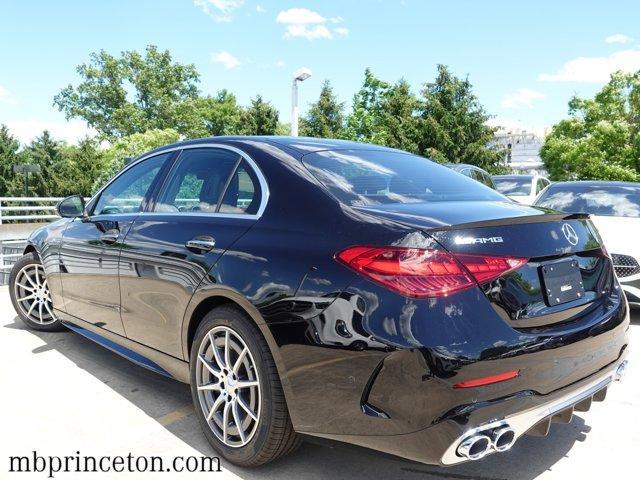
{"points": [[300, 76], [26, 169]]}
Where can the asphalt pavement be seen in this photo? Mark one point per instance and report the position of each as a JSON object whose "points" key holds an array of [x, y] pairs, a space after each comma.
{"points": [[63, 394]]}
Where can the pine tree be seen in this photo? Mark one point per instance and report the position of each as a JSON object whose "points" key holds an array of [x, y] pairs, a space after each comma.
{"points": [[10, 155], [261, 118], [452, 125], [45, 152], [325, 118]]}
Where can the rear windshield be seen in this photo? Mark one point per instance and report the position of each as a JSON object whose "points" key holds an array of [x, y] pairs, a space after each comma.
{"points": [[369, 177], [515, 186], [603, 200]]}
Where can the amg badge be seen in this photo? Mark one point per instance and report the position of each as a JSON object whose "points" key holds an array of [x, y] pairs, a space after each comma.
{"points": [[473, 240]]}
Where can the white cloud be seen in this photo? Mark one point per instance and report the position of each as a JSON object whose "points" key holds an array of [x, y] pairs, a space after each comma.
{"points": [[308, 32], [305, 23], [300, 16], [618, 38], [595, 69], [260, 9], [6, 97], [280, 63], [225, 58], [219, 10], [522, 97], [72, 131]]}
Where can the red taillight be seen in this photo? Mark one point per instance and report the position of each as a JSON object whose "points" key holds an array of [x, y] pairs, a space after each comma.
{"points": [[479, 382], [425, 273], [486, 268]]}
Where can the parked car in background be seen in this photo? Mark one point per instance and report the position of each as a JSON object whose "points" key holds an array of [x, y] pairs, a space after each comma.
{"points": [[335, 289], [474, 172], [615, 210], [521, 188]]}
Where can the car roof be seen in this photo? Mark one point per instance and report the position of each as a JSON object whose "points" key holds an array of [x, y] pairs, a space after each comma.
{"points": [[594, 183], [528, 176], [302, 145], [459, 166]]}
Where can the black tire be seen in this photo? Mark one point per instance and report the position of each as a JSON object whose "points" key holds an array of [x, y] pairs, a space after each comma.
{"points": [[274, 435], [50, 323]]}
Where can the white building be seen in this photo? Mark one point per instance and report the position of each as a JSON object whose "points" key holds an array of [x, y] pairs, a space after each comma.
{"points": [[523, 150]]}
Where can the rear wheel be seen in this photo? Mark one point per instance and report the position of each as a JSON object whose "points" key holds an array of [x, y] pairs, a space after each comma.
{"points": [[30, 295], [236, 390]]}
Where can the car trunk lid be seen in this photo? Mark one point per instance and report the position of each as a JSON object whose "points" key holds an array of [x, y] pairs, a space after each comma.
{"points": [[567, 274]]}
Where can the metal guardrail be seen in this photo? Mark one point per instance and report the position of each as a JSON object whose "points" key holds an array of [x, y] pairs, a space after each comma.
{"points": [[10, 251], [13, 209], [16, 211]]}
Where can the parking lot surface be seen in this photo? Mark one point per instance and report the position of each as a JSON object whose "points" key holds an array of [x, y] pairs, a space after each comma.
{"points": [[62, 393]]}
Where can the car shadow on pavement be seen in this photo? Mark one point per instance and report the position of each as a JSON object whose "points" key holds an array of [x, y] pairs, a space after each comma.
{"points": [[169, 403]]}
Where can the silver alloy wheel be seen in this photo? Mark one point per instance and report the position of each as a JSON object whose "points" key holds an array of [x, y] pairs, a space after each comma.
{"points": [[32, 294], [228, 386]]}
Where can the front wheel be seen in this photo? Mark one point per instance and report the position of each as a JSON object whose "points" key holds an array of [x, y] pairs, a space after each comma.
{"points": [[236, 390], [30, 295]]}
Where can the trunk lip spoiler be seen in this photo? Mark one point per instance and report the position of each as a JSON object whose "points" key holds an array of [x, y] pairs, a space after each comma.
{"points": [[506, 221]]}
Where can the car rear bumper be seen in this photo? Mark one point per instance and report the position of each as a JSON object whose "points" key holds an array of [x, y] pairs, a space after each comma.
{"points": [[525, 413], [536, 420], [410, 407]]}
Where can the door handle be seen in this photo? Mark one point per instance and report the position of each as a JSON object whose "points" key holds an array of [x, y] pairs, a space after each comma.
{"points": [[110, 236], [201, 243]]}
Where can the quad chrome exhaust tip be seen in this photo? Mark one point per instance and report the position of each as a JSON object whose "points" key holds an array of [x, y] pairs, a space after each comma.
{"points": [[477, 446], [474, 447], [503, 438], [502, 434]]}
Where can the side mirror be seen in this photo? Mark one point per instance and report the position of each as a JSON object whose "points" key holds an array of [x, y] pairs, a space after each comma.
{"points": [[71, 207]]}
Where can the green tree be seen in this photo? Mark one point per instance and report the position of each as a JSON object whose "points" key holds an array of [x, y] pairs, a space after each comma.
{"points": [[325, 118], [364, 121], [45, 152], [385, 114], [79, 168], [129, 94], [211, 115], [453, 124], [129, 147], [398, 117], [10, 155], [601, 139], [283, 128], [261, 118]]}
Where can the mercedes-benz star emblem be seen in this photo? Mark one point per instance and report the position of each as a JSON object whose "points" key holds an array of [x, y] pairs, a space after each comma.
{"points": [[570, 234]]}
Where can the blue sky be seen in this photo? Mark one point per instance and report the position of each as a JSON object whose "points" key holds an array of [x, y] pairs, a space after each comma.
{"points": [[525, 60]]}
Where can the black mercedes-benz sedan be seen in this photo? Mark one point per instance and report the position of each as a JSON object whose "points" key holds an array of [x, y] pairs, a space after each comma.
{"points": [[335, 289]]}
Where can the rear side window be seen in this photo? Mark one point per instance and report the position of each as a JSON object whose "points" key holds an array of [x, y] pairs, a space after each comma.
{"points": [[243, 193], [476, 175], [482, 177], [197, 181], [371, 177], [487, 180]]}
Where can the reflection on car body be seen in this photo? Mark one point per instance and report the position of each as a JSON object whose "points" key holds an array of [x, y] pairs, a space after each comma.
{"points": [[284, 277]]}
